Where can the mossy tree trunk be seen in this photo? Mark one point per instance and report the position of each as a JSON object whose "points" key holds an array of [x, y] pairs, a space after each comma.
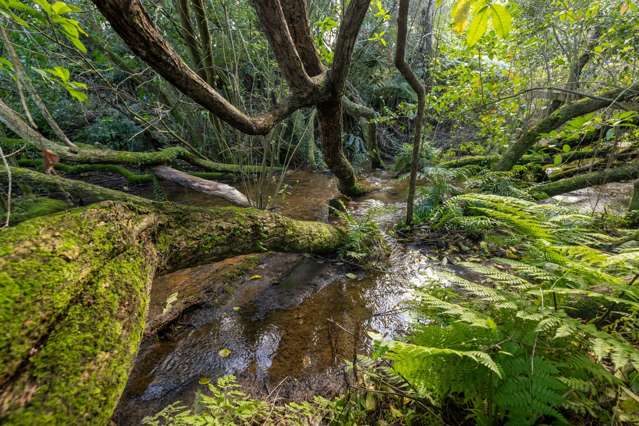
{"points": [[560, 117], [75, 292]]}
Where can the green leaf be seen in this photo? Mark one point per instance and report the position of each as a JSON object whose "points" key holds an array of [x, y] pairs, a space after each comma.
{"points": [[501, 20], [224, 352], [556, 160], [478, 26], [60, 8], [460, 15], [565, 148]]}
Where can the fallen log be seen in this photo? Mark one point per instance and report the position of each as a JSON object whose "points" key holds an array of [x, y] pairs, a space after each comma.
{"points": [[75, 285], [550, 189], [209, 187]]}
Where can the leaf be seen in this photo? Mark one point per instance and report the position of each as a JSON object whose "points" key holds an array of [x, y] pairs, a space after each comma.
{"points": [[371, 402], [60, 72], [60, 8], [565, 148], [460, 15], [351, 276], [556, 160], [204, 381], [478, 26], [224, 352], [255, 277], [501, 20]]}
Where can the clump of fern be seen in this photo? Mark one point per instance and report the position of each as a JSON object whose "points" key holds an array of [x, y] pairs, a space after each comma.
{"points": [[547, 336], [364, 243], [498, 183], [404, 158], [508, 346], [439, 184]]}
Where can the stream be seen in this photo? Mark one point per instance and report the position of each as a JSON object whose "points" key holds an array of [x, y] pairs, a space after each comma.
{"points": [[285, 326]]}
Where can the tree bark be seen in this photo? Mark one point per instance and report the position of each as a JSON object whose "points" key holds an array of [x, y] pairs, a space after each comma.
{"points": [[560, 117], [329, 115]]}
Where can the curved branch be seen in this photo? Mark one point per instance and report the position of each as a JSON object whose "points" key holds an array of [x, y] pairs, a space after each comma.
{"points": [[420, 89], [130, 20], [559, 118]]}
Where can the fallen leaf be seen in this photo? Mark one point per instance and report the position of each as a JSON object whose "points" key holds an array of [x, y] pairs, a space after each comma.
{"points": [[351, 275], [224, 352], [255, 277]]}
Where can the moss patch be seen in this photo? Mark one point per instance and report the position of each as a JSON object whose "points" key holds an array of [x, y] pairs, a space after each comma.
{"points": [[79, 373], [29, 207]]}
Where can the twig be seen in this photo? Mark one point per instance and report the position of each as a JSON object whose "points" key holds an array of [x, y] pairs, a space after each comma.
{"points": [[6, 165]]}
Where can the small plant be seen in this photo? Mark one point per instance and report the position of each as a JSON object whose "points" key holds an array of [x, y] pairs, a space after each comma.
{"points": [[404, 158], [365, 244], [224, 403]]}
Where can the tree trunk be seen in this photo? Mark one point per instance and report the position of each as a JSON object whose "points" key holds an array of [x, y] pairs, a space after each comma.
{"points": [[75, 288], [420, 89], [560, 117], [330, 118]]}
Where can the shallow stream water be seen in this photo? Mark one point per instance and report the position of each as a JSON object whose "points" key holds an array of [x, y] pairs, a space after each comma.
{"points": [[288, 324]]}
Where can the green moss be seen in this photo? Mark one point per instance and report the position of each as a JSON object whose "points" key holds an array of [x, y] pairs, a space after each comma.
{"points": [[80, 372], [75, 287], [130, 176], [46, 263], [28, 207]]}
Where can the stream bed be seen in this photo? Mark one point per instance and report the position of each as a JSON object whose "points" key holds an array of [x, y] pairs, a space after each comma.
{"points": [[285, 325]]}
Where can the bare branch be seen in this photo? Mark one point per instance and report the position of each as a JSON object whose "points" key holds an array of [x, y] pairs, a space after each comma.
{"points": [[348, 31], [271, 16]]}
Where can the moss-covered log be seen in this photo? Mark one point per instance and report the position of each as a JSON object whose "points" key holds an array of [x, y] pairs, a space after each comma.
{"points": [[560, 117], [468, 160], [75, 289], [629, 172], [88, 154], [74, 191]]}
